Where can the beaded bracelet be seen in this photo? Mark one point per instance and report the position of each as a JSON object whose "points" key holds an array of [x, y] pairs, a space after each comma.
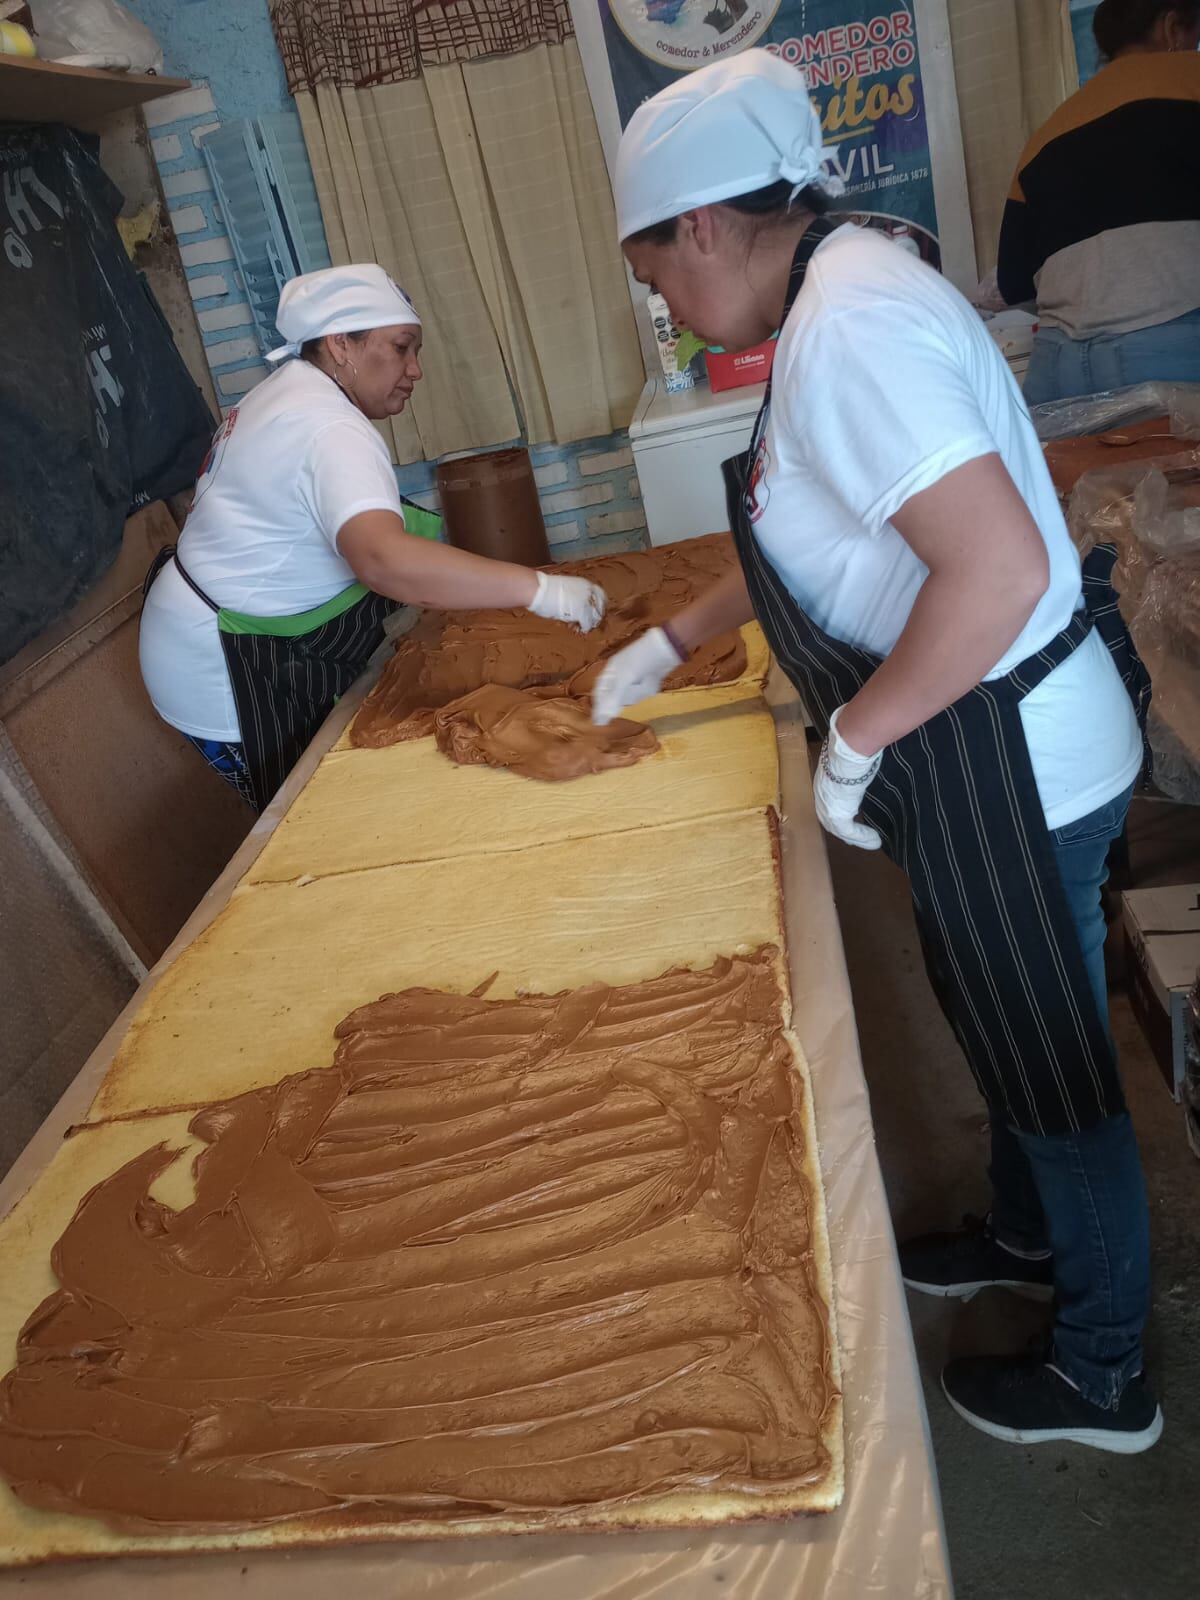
{"points": [[847, 783]]}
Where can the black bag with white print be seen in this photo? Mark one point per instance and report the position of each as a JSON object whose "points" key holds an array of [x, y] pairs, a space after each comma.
{"points": [[98, 414]]}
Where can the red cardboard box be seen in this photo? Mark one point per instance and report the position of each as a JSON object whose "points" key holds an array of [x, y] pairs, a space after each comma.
{"points": [[732, 369]]}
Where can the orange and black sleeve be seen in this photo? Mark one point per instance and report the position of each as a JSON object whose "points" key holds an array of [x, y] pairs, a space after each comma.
{"points": [[1122, 152], [1018, 259]]}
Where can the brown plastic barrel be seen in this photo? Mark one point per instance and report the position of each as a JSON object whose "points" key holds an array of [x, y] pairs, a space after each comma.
{"points": [[490, 503]]}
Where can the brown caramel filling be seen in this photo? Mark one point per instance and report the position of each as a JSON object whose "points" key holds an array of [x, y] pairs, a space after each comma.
{"points": [[537, 734], [450, 654], [529, 1255]]}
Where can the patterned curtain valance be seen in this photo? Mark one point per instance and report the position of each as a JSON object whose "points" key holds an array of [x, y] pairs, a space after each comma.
{"points": [[360, 43]]}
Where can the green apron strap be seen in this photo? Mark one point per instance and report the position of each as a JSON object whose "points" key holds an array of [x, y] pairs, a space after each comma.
{"points": [[420, 523], [294, 626]]}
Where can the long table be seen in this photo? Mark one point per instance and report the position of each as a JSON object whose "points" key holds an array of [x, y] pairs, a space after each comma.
{"points": [[887, 1539]]}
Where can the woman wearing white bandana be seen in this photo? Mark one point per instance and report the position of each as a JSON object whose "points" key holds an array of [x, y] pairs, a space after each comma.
{"points": [[902, 546], [298, 543]]}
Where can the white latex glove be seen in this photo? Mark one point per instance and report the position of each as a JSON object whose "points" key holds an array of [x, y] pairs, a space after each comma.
{"points": [[569, 600], [839, 784], [633, 673]]}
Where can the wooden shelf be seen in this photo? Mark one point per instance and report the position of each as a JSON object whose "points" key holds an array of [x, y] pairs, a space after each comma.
{"points": [[44, 91]]}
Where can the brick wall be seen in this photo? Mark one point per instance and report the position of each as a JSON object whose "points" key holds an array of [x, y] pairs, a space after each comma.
{"points": [[589, 492]]}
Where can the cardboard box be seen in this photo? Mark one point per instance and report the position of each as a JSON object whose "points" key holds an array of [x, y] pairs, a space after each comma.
{"points": [[1162, 939], [731, 369]]}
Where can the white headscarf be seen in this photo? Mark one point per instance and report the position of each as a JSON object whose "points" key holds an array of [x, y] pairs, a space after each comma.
{"points": [[339, 300], [726, 130]]}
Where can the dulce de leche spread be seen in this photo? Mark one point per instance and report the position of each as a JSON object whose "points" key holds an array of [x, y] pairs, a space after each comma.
{"points": [[539, 733], [524, 1256], [450, 654]]}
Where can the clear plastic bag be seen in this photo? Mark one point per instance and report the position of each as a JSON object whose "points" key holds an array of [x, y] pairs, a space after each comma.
{"points": [[1166, 630], [1097, 413], [1144, 508], [1150, 510], [1121, 432], [100, 30], [1153, 518], [1174, 735], [987, 296]]}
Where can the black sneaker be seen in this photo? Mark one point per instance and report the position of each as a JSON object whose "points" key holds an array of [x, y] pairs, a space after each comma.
{"points": [[1025, 1400], [958, 1265]]}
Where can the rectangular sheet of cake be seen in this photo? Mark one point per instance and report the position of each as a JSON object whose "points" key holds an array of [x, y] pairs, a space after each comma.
{"points": [[259, 992], [541, 1264], [409, 802]]}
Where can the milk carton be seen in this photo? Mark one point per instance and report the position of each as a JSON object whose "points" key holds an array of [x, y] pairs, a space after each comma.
{"points": [[666, 337]]}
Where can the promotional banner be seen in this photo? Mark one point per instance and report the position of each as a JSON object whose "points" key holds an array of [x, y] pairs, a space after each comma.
{"points": [[862, 62]]}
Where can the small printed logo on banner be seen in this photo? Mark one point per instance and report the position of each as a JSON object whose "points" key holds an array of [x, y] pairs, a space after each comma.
{"points": [[686, 34]]}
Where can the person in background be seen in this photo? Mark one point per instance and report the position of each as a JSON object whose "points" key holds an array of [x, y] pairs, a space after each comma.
{"points": [[902, 546], [295, 550], [1102, 224]]}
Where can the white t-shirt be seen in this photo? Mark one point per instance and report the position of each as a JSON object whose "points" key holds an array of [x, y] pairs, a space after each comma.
{"points": [[885, 381], [287, 470]]}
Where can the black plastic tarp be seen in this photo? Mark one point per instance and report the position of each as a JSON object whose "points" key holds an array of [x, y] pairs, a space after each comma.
{"points": [[98, 414]]}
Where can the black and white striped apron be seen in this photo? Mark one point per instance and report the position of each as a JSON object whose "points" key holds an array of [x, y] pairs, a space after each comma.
{"points": [[957, 806], [288, 673]]}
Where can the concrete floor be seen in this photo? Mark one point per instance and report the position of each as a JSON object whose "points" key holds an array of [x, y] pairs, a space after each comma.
{"points": [[1055, 1522]]}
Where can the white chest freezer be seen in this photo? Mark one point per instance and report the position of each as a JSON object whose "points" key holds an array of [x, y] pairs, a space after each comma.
{"points": [[679, 442]]}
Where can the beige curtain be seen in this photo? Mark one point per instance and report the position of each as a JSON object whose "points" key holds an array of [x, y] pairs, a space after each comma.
{"points": [[482, 188], [1014, 62]]}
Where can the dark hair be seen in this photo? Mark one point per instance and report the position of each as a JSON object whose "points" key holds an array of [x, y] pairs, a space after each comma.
{"points": [[311, 348], [1121, 23], [764, 207]]}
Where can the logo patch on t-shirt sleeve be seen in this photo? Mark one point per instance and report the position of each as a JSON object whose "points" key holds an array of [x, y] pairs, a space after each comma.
{"points": [[758, 491]]}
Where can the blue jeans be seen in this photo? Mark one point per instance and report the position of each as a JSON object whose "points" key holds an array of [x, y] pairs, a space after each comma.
{"points": [[1081, 1196], [1061, 367], [227, 759]]}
